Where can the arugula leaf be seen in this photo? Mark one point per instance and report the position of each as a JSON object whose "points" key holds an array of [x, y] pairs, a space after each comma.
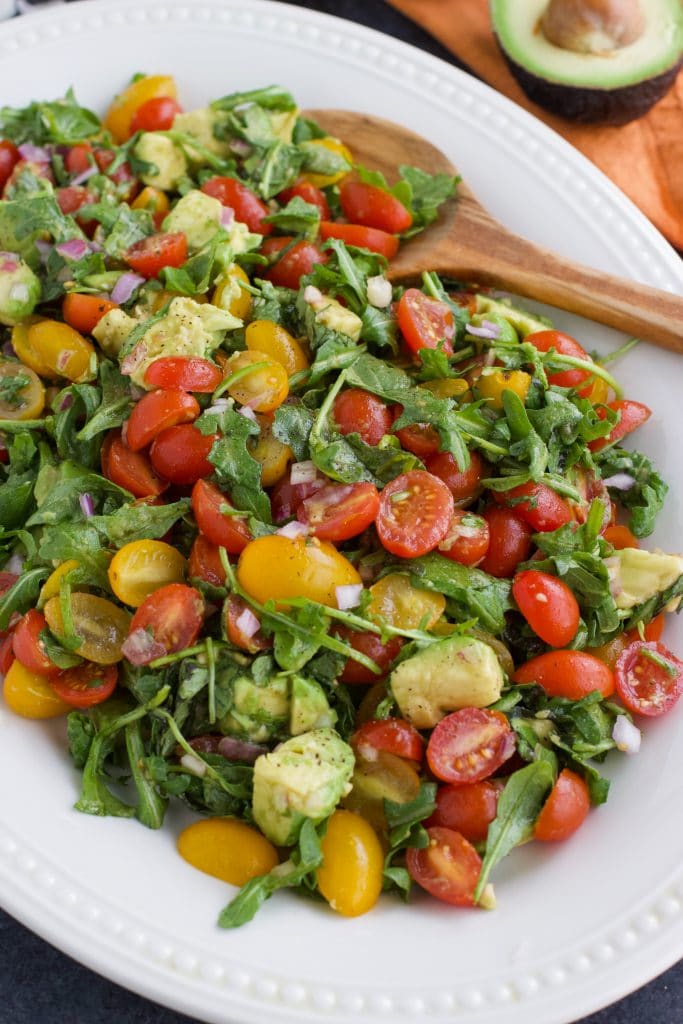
{"points": [[123, 226], [404, 822], [62, 121], [68, 483], [80, 542], [196, 274], [80, 730], [56, 653], [151, 807], [115, 403], [139, 522], [75, 406], [645, 497], [296, 218], [18, 488], [420, 192], [29, 217], [292, 426], [236, 468], [22, 595], [272, 97], [474, 593]]}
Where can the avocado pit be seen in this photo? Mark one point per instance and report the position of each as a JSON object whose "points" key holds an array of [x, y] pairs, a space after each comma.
{"points": [[593, 26]]}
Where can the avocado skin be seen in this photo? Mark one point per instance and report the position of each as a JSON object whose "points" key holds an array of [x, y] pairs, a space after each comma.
{"points": [[588, 105]]}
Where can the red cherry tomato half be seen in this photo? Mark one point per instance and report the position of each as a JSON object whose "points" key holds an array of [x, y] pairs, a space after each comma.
{"points": [[187, 372], [84, 312], [651, 631], [130, 470], [469, 745], [419, 438], [149, 256], [394, 735], [464, 484], [79, 158], [155, 115], [358, 412], [565, 809], [649, 678], [85, 685], [180, 454], [286, 497], [222, 529], [467, 540], [538, 505], [249, 209], [631, 416], [172, 616], [509, 544], [9, 158], [620, 537], [72, 198], [425, 322], [205, 562], [548, 605], [309, 193], [239, 623], [156, 411], [28, 647], [361, 237], [122, 176], [374, 207], [298, 260], [571, 674], [448, 868], [415, 512], [468, 809], [565, 345], [383, 654], [340, 511]]}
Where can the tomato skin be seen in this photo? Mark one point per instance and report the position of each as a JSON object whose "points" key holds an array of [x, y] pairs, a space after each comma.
{"points": [[298, 261], [340, 511], [374, 207], [632, 416], [620, 537], [419, 438], [414, 514], [548, 605], [448, 868], [565, 345], [280, 568], [468, 809], [361, 237], [225, 531], [570, 674], [9, 158], [425, 322], [30, 695], [205, 563], [286, 497], [565, 810], [394, 735], [464, 484], [79, 158], [27, 646], [149, 256], [155, 115], [180, 454], [173, 615], [188, 373], [131, 470], [75, 686], [234, 609], [249, 209], [644, 686], [122, 110], [309, 193], [538, 505], [383, 654], [469, 745], [72, 197], [84, 312], [350, 876], [156, 411], [467, 540], [510, 542], [6, 652], [360, 412]]}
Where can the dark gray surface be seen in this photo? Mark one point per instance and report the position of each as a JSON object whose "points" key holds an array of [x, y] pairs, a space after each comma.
{"points": [[39, 985]]}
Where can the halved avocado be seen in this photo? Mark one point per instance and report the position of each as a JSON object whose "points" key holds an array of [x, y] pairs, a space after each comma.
{"points": [[610, 61]]}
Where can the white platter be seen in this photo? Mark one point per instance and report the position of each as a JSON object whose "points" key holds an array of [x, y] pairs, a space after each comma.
{"points": [[577, 926]]}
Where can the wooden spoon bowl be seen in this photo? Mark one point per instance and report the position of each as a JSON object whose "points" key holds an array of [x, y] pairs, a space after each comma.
{"points": [[468, 244]]}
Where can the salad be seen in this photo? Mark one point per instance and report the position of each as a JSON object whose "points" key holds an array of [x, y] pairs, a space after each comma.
{"points": [[353, 570]]}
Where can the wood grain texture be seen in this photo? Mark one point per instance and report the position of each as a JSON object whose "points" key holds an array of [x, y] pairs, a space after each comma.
{"points": [[467, 243]]}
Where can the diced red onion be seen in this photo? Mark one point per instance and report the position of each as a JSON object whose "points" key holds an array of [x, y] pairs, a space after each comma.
{"points": [[626, 735], [34, 154], [247, 623], [125, 286], [302, 472], [193, 765], [134, 358], [15, 564], [44, 249], [293, 530], [66, 402], [140, 647], [219, 406], [84, 175], [248, 413], [620, 481], [312, 295], [19, 292], [227, 216], [63, 360], [74, 249], [8, 262], [487, 330], [8, 350], [379, 291], [240, 146], [238, 750], [87, 505], [348, 595]]}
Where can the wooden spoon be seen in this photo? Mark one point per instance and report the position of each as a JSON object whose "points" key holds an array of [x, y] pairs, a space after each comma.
{"points": [[467, 244]]}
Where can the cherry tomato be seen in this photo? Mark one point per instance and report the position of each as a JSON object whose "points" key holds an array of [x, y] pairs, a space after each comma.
{"points": [[631, 416], [491, 384], [180, 454], [84, 312], [570, 674], [85, 685], [79, 158], [9, 158], [141, 567], [155, 115], [565, 809], [123, 175], [394, 735], [340, 511], [249, 209], [187, 372], [30, 695], [620, 537], [6, 652], [468, 809], [565, 345], [359, 412], [131, 470], [295, 263], [100, 624], [448, 868], [469, 745], [205, 563], [28, 647], [361, 237], [309, 193], [277, 343], [271, 454], [238, 622], [72, 198], [538, 505], [63, 351], [149, 256], [381, 777], [281, 567], [263, 388], [227, 849], [425, 322], [510, 542], [122, 110], [221, 528], [649, 678], [374, 207], [396, 601], [383, 654], [419, 438], [548, 605], [414, 514], [286, 497], [651, 631], [464, 484], [350, 876], [172, 616], [156, 411], [467, 540]]}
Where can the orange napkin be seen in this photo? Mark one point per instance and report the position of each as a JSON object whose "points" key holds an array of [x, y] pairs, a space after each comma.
{"points": [[644, 158]]}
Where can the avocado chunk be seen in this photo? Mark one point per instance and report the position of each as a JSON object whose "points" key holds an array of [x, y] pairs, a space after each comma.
{"points": [[19, 289], [198, 216], [637, 575], [201, 124], [168, 160], [458, 672], [309, 708], [519, 319], [335, 317], [305, 777], [259, 712], [591, 60]]}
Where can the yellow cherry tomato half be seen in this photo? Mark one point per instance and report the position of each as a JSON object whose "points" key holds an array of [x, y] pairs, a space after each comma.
{"points": [[264, 388], [124, 106], [599, 392], [399, 603], [272, 455], [22, 391], [101, 625], [152, 199], [30, 695], [229, 293], [493, 383], [447, 387], [385, 777], [64, 351], [350, 876], [227, 849], [281, 568], [334, 146], [25, 351], [141, 567], [276, 342], [52, 584]]}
